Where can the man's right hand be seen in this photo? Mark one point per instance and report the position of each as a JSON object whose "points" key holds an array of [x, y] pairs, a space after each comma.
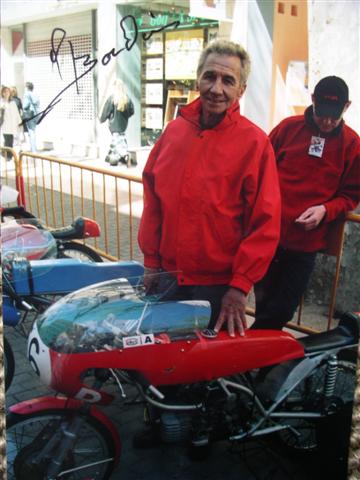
{"points": [[151, 279], [311, 218]]}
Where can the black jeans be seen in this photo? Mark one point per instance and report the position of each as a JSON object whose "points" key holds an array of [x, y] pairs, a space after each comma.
{"points": [[279, 293], [211, 293], [8, 142]]}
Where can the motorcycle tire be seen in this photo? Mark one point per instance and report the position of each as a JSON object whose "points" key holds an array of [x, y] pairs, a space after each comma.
{"points": [[79, 251], [308, 392], [27, 434], [9, 363]]}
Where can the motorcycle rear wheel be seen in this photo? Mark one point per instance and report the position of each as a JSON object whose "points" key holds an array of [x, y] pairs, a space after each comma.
{"points": [[28, 434], [78, 250], [309, 392]]}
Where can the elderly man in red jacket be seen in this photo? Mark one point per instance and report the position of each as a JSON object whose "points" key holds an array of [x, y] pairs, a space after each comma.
{"points": [[211, 196], [318, 160]]}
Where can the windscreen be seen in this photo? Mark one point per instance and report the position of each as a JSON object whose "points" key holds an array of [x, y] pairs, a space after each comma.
{"points": [[108, 314]]}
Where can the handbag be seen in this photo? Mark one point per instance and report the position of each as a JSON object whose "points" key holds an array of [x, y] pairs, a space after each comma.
{"points": [[30, 111], [27, 114]]}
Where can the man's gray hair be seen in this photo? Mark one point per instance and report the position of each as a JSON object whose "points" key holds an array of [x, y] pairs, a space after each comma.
{"points": [[225, 47]]}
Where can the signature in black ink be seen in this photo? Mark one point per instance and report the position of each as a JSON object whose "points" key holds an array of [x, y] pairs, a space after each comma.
{"points": [[88, 62]]}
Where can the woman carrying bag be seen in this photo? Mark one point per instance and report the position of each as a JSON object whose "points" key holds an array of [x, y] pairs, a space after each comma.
{"points": [[117, 110]]}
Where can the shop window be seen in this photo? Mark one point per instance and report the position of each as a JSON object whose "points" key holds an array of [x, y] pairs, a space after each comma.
{"points": [[294, 10], [281, 7]]}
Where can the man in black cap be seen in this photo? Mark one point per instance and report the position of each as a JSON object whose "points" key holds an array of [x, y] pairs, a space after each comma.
{"points": [[318, 160]]}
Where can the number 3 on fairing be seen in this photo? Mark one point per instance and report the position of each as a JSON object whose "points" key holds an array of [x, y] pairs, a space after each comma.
{"points": [[39, 356]]}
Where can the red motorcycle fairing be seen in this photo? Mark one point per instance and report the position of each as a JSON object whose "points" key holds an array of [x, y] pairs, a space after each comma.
{"points": [[180, 361], [41, 404], [24, 239]]}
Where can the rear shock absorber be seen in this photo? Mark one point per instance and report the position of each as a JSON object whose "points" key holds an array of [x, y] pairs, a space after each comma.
{"points": [[330, 379]]}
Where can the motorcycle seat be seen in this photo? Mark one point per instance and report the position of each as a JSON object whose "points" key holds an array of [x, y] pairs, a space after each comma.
{"points": [[338, 338], [345, 334]]}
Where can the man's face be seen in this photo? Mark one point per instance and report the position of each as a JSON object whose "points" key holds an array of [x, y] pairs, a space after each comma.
{"points": [[328, 124], [219, 83]]}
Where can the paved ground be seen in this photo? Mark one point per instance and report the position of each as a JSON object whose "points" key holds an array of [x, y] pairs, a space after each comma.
{"points": [[249, 461]]}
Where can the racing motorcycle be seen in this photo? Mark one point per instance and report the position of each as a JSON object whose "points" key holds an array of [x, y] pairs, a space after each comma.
{"points": [[25, 235], [29, 287], [197, 386]]}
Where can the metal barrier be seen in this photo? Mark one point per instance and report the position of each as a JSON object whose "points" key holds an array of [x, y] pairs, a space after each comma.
{"points": [[11, 172], [335, 248], [57, 190]]}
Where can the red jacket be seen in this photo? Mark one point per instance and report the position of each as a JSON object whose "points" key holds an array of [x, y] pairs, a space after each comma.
{"points": [[305, 181], [211, 201]]}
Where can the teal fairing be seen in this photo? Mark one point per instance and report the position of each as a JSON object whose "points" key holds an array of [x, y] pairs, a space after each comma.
{"points": [[105, 315]]}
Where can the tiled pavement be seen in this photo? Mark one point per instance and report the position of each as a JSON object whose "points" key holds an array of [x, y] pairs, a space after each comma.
{"points": [[249, 461]]}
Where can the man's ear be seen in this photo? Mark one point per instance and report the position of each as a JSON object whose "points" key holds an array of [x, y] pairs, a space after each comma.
{"points": [[242, 89], [347, 105]]}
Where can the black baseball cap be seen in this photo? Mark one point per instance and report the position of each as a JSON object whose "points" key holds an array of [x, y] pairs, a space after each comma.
{"points": [[331, 95]]}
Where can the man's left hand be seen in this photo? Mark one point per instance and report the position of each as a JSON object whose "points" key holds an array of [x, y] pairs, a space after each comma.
{"points": [[311, 218], [233, 312]]}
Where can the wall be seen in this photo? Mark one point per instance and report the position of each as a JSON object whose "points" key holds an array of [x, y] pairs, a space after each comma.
{"points": [[7, 71], [334, 48], [250, 27], [290, 42], [258, 99], [128, 69], [105, 75]]}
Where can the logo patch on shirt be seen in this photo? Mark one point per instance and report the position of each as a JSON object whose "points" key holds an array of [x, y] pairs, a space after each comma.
{"points": [[316, 147]]}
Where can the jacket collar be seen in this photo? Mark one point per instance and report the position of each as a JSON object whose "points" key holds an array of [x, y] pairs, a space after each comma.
{"points": [[192, 111], [309, 120]]}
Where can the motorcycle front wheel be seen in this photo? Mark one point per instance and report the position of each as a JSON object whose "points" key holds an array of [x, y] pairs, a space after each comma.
{"points": [[9, 363], [78, 250], [302, 436], [92, 455]]}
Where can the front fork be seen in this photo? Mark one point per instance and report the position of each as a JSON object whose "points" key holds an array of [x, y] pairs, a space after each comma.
{"points": [[63, 442]]}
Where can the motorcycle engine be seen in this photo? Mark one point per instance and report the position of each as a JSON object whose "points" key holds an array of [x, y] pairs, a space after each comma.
{"points": [[175, 426], [220, 416]]}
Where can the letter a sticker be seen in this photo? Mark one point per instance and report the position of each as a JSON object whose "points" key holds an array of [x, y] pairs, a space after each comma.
{"points": [[147, 339]]}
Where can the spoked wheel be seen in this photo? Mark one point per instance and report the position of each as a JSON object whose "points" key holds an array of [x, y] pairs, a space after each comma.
{"points": [[9, 363], [302, 436], [79, 251], [35, 441]]}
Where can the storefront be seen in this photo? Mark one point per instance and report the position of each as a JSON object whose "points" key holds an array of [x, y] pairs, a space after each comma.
{"points": [[159, 71], [169, 59], [73, 116]]}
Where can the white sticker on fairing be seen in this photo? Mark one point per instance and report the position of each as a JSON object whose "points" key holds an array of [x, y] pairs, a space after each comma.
{"points": [[39, 356], [138, 340]]}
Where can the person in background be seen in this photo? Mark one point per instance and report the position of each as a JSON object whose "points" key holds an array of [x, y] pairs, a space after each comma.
{"points": [[11, 119], [117, 110], [318, 160], [31, 107], [211, 195], [17, 100]]}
